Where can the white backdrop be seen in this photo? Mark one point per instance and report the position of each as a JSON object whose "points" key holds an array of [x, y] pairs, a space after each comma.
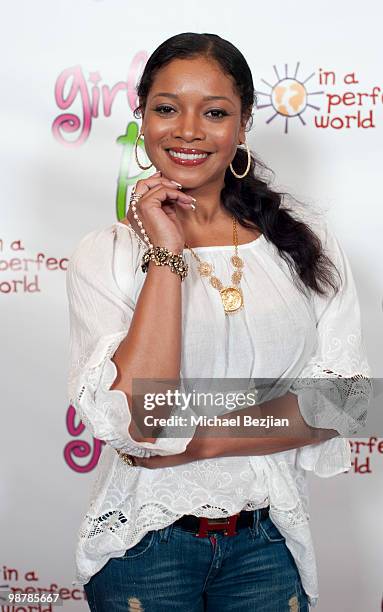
{"points": [[61, 177]]}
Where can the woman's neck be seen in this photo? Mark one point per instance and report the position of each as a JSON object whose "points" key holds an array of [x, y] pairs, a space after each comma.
{"points": [[209, 209], [206, 214]]}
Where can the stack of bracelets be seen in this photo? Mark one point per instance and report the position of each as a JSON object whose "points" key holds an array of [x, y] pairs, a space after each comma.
{"points": [[160, 255]]}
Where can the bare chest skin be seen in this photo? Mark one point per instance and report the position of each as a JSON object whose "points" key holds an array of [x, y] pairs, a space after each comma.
{"points": [[217, 235]]}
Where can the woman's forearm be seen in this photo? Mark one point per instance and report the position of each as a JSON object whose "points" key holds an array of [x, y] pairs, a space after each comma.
{"points": [[224, 441], [152, 347], [261, 440]]}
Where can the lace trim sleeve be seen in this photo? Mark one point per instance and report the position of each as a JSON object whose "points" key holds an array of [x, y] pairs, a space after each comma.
{"points": [[334, 388], [327, 458], [333, 401], [106, 411]]}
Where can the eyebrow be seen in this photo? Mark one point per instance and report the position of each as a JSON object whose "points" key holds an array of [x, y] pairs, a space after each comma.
{"points": [[172, 95]]}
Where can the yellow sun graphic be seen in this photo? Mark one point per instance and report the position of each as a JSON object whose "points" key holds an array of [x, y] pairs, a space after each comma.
{"points": [[288, 97]]}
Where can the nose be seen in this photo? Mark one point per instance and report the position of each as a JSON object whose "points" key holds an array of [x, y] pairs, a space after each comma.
{"points": [[188, 127]]}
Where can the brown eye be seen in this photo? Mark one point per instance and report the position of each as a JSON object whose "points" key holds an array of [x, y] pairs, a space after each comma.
{"points": [[163, 109], [217, 113]]}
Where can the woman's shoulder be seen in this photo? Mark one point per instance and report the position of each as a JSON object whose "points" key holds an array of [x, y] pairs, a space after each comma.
{"points": [[100, 252]]}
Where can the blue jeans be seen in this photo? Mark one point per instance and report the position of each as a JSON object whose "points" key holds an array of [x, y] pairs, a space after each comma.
{"points": [[171, 570]]}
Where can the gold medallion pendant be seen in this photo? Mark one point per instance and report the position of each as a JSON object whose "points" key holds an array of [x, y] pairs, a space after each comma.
{"points": [[231, 296], [232, 299]]}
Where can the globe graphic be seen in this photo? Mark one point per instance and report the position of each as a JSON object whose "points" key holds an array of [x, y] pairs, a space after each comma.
{"points": [[289, 97]]}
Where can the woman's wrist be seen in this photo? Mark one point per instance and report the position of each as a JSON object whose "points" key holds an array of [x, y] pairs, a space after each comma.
{"points": [[162, 256], [155, 271], [207, 442]]}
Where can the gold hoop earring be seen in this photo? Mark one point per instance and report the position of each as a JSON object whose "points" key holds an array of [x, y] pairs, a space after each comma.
{"points": [[136, 154], [239, 176]]}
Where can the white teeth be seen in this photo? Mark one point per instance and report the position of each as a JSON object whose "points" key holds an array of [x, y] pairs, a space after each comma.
{"points": [[187, 155]]}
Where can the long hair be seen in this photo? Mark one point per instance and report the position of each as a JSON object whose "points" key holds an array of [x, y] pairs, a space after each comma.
{"points": [[250, 200]]}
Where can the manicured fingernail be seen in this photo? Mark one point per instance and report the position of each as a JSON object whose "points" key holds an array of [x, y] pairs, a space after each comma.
{"points": [[178, 184], [194, 200], [192, 206]]}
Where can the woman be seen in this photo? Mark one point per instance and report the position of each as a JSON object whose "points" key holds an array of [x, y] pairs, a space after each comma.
{"points": [[283, 310]]}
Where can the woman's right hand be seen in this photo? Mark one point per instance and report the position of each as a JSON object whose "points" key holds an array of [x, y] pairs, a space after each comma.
{"points": [[156, 210]]}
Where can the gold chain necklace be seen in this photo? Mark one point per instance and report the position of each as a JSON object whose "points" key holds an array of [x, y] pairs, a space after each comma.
{"points": [[232, 296]]}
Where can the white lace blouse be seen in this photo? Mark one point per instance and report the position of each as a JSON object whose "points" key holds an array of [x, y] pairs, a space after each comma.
{"points": [[279, 334]]}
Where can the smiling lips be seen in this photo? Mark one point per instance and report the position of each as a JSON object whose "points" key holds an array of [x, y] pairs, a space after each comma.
{"points": [[187, 157]]}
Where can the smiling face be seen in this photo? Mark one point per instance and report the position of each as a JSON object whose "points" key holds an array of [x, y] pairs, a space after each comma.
{"points": [[192, 122]]}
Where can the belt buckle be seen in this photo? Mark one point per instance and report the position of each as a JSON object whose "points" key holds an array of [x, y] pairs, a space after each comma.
{"points": [[228, 525]]}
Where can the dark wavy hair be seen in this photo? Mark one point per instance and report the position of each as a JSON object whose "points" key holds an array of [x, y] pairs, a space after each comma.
{"points": [[251, 199]]}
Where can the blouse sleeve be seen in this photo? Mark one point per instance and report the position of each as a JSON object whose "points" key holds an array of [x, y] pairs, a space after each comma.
{"points": [[334, 388], [100, 313]]}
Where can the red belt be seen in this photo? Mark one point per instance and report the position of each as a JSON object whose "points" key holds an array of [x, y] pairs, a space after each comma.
{"points": [[201, 525]]}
